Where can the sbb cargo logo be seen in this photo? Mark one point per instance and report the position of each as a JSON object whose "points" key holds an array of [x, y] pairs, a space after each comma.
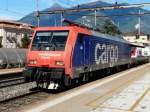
{"points": [[106, 54]]}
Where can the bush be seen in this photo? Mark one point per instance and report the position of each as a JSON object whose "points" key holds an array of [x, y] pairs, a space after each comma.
{"points": [[25, 41], [1, 37], [110, 28]]}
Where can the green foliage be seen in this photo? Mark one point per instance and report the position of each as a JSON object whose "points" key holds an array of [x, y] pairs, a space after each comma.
{"points": [[110, 28], [25, 41], [1, 37]]}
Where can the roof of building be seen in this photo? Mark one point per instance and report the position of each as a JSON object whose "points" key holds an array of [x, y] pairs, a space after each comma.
{"points": [[133, 33], [12, 22]]}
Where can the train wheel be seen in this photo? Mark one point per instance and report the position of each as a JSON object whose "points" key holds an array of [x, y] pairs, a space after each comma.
{"points": [[27, 79], [66, 81], [118, 68], [128, 66], [85, 77], [39, 80]]}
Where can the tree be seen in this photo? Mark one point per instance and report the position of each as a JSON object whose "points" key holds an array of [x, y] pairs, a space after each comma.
{"points": [[25, 41], [110, 28], [1, 37]]}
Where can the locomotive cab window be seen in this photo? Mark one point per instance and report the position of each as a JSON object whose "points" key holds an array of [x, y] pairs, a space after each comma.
{"points": [[50, 40]]}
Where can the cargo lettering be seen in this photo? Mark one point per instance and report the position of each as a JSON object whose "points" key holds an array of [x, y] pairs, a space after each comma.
{"points": [[106, 54]]}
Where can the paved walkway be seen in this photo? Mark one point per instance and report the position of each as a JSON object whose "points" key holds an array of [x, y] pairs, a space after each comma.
{"points": [[134, 98]]}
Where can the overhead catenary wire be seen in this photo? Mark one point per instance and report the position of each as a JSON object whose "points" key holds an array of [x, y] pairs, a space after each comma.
{"points": [[113, 15], [95, 8]]}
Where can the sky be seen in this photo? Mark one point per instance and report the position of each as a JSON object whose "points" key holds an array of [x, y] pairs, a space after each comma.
{"points": [[16, 9]]}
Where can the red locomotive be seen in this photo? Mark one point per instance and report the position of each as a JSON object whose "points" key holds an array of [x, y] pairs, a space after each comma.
{"points": [[59, 56]]}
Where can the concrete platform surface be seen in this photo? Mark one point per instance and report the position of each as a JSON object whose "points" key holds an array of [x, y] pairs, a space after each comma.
{"points": [[12, 70], [128, 91]]}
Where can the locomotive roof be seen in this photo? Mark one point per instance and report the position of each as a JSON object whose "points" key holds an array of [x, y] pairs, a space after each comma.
{"points": [[118, 38], [94, 33], [110, 37]]}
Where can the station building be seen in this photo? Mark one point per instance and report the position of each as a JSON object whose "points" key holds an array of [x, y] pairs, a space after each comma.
{"points": [[133, 37], [11, 33]]}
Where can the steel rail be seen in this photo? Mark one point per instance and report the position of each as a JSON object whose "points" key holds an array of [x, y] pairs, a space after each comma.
{"points": [[11, 82]]}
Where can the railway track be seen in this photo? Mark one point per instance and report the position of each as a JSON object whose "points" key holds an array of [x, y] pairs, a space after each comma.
{"points": [[10, 74], [15, 96], [11, 92], [9, 78], [13, 86], [10, 82], [17, 103]]}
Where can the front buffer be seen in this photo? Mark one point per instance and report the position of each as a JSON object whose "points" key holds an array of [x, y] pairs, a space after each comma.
{"points": [[48, 78]]}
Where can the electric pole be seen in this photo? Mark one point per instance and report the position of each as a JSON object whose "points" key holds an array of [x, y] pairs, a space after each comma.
{"points": [[139, 30], [61, 19], [37, 13], [95, 18]]}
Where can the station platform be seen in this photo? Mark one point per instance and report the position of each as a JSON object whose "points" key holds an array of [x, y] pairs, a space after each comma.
{"points": [[9, 71], [134, 98], [8, 74], [127, 91]]}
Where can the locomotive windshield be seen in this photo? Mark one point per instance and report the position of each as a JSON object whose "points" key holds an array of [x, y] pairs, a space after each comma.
{"points": [[50, 41]]}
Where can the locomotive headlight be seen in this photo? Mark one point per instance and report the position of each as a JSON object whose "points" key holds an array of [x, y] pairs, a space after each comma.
{"points": [[59, 63], [32, 62]]}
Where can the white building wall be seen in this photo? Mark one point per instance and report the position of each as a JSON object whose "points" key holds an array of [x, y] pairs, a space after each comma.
{"points": [[12, 33], [133, 39], [5, 43], [1, 32]]}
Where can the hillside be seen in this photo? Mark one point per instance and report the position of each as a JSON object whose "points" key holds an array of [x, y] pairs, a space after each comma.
{"points": [[125, 23]]}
